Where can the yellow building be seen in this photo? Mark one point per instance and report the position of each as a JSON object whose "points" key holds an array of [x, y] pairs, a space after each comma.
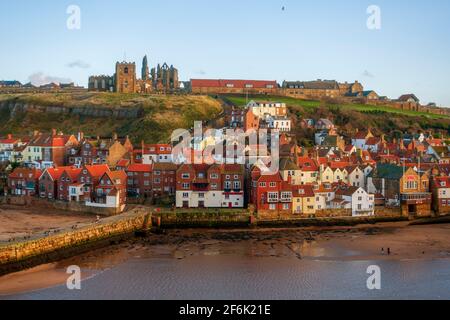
{"points": [[290, 172], [304, 201]]}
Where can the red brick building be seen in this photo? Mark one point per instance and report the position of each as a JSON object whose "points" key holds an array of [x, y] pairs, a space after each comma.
{"points": [[139, 180], [210, 186], [270, 193], [112, 184], [24, 181], [89, 177], [164, 179], [440, 188], [49, 183], [53, 147], [68, 179]]}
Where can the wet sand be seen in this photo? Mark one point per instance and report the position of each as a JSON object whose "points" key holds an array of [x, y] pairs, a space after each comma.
{"points": [[361, 243], [18, 222]]}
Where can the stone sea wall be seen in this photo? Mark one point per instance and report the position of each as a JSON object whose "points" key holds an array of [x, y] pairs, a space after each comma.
{"points": [[127, 223]]}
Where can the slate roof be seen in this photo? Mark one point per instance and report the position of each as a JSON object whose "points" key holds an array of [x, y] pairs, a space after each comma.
{"points": [[387, 171]]}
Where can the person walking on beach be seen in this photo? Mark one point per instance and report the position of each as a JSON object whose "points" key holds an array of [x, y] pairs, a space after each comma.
{"points": [[389, 251], [382, 251]]}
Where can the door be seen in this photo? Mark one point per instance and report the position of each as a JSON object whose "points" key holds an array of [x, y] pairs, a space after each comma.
{"points": [[412, 209]]}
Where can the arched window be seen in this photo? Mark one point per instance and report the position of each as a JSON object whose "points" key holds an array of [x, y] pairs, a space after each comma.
{"points": [[125, 70]]}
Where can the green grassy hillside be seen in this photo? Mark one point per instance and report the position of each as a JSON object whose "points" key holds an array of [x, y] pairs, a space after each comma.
{"points": [[161, 114], [311, 104], [349, 117]]}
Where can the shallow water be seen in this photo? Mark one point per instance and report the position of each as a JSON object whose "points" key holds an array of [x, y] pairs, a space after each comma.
{"points": [[241, 276]]}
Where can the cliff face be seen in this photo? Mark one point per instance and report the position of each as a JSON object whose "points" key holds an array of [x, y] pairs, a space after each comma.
{"points": [[151, 118], [14, 107]]}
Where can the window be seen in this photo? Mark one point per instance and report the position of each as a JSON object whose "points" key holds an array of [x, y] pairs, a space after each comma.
{"points": [[286, 196], [214, 176], [262, 184], [237, 185], [272, 196], [201, 195], [185, 195], [273, 184], [185, 186], [185, 176], [272, 206]]}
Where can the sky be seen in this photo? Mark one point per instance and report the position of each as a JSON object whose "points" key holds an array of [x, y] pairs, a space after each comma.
{"points": [[235, 39]]}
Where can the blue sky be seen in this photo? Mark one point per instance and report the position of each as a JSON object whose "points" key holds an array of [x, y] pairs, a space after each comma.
{"points": [[321, 39]]}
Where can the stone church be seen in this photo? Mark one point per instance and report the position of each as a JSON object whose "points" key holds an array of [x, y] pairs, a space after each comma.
{"points": [[161, 79]]}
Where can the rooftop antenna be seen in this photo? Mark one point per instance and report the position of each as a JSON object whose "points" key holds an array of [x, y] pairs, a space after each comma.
{"points": [[124, 56]]}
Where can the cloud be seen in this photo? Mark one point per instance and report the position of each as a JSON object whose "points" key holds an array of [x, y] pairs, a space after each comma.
{"points": [[368, 74], [79, 64], [39, 79]]}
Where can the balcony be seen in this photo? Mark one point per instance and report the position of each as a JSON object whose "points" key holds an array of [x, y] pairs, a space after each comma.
{"points": [[416, 198]]}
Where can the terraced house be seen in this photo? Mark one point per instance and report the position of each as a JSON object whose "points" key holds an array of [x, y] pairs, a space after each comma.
{"points": [[49, 148], [440, 187], [270, 194], [24, 182], [215, 186], [101, 151]]}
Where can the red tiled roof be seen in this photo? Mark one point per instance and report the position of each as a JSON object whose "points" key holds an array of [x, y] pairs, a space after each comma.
{"points": [[305, 191], [220, 83], [339, 164], [167, 149], [56, 173], [361, 135], [373, 141], [140, 168], [25, 172], [97, 170], [270, 178], [8, 141], [73, 173], [123, 163], [307, 164]]}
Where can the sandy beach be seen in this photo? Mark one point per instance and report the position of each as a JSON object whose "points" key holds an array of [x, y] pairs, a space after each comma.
{"points": [[360, 243], [18, 222]]}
